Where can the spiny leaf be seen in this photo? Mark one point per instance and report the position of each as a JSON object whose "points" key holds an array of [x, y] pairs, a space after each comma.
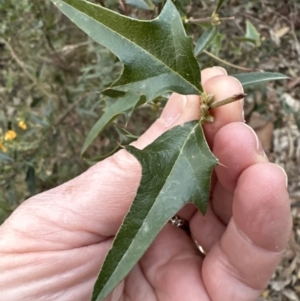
{"points": [[157, 54], [216, 46], [252, 34], [128, 102], [205, 40], [181, 174], [255, 78], [125, 138]]}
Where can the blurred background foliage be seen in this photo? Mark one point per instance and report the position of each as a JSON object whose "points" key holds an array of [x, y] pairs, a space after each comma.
{"points": [[52, 75]]}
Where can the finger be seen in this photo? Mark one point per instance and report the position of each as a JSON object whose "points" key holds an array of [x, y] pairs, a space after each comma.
{"points": [[206, 229], [239, 266], [208, 73], [222, 87], [178, 110], [237, 147], [173, 258]]}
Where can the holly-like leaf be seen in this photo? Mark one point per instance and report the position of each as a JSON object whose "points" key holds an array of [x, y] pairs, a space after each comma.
{"points": [[125, 138], [256, 78], [128, 102], [157, 55], [176, 169], [252, 34], [206, 39]]}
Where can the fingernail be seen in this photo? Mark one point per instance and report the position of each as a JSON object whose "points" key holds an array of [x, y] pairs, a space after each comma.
{"points": [[285, 175], [223, 70], [174, 108], [259, 147]]}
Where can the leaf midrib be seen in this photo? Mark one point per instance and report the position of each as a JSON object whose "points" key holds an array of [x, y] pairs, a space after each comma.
{"points": [[175, 162], [180, 152]]}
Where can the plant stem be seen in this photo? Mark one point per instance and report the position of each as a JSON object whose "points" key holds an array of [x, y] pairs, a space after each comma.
{"points": [[25, 68], [226, 101], [206, 20], [227, 63]]}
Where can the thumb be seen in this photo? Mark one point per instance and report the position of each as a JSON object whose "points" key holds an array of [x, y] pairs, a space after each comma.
{"points": [[178, 110]]}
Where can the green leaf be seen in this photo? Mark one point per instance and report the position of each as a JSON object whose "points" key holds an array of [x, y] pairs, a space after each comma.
{"points": [[181, 174], [128, 102], [125, 136], [94, 160], [157, 55], [205, 40], [252, 34], [256, 78], [141, 4], [113, 93], [217, 45], [220, 3]]}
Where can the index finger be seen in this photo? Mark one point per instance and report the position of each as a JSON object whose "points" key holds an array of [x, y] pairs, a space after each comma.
{"points": [[223, 86]]}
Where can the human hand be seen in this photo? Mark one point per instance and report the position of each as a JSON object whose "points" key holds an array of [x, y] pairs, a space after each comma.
{"points": [[52, 246]]}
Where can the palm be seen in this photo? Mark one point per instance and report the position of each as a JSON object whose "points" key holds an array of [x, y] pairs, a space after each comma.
{"points": [[170, 270]]}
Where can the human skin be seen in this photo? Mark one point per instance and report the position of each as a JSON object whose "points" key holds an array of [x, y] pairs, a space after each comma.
{"points": [[53, 245]]}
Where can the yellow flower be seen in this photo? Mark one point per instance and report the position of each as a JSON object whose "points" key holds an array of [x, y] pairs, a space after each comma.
{"points": [[10, 135], [3, 148], [22, 125]]}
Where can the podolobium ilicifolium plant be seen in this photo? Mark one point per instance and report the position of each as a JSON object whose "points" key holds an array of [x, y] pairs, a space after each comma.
{"points": [[158, 58]]}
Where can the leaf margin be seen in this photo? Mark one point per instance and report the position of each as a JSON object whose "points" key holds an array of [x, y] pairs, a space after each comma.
{"points": [[205, 40], [183, 85], [130, 99]]}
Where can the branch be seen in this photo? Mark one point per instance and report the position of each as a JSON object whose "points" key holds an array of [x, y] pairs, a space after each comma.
{"points": [[24, 68], [227, 63]]}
